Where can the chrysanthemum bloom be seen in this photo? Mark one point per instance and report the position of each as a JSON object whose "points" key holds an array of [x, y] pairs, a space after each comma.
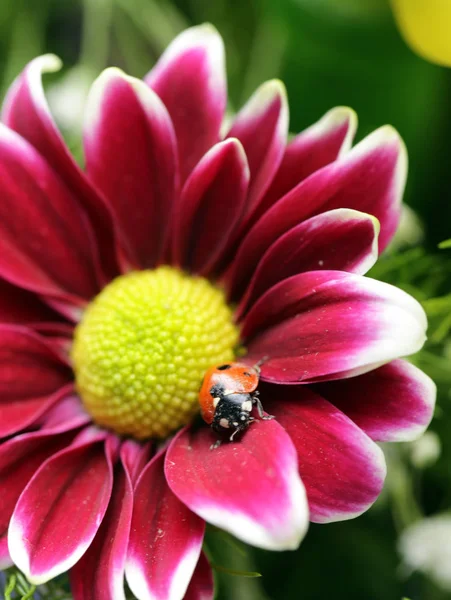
{"points": [[181, 246], [426, 546]]}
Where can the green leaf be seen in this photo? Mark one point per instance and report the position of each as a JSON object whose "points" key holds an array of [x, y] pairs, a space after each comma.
{"points": [[445, 244], [234, 572], [438, 306], [235, 544]]}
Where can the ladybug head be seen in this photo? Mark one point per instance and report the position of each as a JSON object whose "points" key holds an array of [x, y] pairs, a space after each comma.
{"points": [[233, 414]]}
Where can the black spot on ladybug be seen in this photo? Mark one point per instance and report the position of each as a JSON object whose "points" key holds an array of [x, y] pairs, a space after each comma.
{"points": [[247, 374], [224, 367]]}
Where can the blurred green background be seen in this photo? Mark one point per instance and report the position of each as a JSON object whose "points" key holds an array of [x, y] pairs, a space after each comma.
{"points": [[328, 52]]}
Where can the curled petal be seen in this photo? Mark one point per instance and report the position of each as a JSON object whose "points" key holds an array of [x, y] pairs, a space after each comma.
{"points": [[140, 185], [369, 178], [25, 108], [312, 149], [31, 375], [165, 539], [211, 204], [343, 470], [325, 325], [46, 242], [99, 574], [76, 482], [262, 128], [394, 403], [26, 111], [340, 239], [250, 488], [193, 69], [201, 586]]}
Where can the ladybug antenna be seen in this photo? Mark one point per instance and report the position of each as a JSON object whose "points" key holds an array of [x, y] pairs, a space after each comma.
{"points": [[259, 363]]}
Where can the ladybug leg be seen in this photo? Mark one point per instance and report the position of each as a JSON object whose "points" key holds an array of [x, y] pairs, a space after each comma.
{"points": [[258, 404], [242, 427], [234, 433], [216, 445]]}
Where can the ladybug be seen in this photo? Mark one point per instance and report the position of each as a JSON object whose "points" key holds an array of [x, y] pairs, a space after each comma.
{"points": [[227, 396]]}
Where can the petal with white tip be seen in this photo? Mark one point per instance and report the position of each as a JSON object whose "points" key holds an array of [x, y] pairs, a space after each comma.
{"points": [[249, 487]]}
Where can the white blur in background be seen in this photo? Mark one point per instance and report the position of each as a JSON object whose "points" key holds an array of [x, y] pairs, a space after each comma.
{"points": [[425, 546]]}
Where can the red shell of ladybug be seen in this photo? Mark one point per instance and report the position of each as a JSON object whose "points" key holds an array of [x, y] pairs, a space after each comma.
{"points": [[232, 378]]}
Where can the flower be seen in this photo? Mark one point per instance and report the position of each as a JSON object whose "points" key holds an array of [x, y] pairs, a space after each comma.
{"points": [[426, 546], [410, 231], [426, 450], [173, 249]]}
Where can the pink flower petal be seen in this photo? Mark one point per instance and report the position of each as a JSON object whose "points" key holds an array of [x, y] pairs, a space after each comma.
{"points": [[165, 539], [139, 185], [211, 204], [340, 239], [72, 312], [369, 178], [342, 469], [54, 330], [99, 574], [20, 307], [329, 324], [68, 413], [25, 412], [46, 243], [31, 376], [26, 111], [20, 457], [322, 143], [262, 128], [135, 456], [394, 403], [76, 483], [5, 559], [59, 338], [250, 488], [190, 79], [201, 586]]}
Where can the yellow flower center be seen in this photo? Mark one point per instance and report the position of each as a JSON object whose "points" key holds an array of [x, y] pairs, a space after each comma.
{"points": [[143, 346]]}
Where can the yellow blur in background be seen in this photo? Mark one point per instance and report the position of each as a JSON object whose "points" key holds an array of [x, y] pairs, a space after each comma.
{"points": [[426, 27]]}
